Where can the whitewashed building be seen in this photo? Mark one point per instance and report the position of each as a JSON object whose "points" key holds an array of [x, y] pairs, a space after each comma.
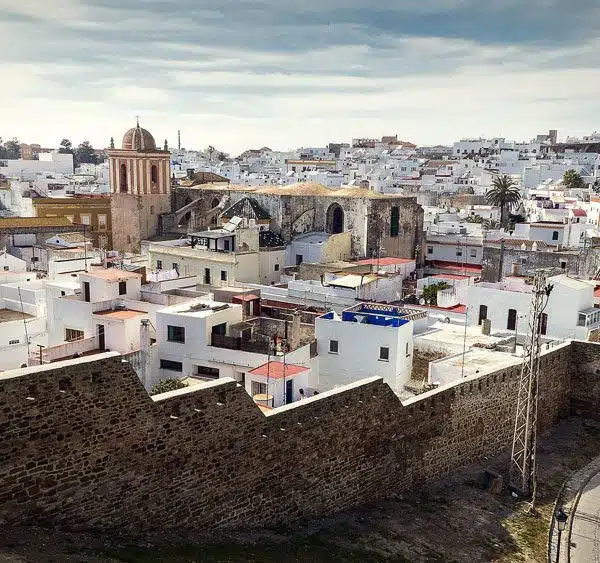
{"points": [[570, 311], [364, 341]]}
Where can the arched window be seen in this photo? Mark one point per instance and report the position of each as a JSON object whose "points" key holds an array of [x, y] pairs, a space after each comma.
{"points": [[154, 174], [335, 219], [123, 178], [395, 222]]}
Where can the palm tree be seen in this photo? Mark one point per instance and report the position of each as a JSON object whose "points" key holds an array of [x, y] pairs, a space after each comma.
{"points": [[505, 194]]}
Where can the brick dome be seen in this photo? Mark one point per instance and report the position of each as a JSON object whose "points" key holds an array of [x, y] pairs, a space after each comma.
{"points": [[138, 139]]}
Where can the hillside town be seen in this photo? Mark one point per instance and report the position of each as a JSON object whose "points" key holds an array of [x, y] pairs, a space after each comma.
{"points": [[295, 276], [276, 268]]}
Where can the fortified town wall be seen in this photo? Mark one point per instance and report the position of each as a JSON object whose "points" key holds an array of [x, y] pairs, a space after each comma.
{"points": [[83, 446]]}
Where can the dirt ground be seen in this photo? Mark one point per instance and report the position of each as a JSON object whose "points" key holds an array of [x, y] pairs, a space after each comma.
{"points": [[456, 521]]}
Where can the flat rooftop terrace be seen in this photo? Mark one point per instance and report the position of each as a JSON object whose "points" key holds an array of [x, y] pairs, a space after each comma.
{"points": [[7, 315]]}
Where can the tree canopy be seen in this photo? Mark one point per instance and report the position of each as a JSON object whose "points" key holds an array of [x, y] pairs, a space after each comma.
{"points": [[504, 194], [572, 180], [65, 147], [85, 154], [167, 385], [10, 149], [430, 291]]}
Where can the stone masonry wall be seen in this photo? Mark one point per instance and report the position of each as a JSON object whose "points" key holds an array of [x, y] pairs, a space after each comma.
{"points": [[82, 445]]}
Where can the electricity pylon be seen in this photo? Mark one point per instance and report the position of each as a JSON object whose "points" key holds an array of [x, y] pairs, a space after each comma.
{"points": [[523, 458]]}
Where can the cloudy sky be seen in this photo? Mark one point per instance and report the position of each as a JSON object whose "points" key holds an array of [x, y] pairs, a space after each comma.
{"points": [[289, 73]]}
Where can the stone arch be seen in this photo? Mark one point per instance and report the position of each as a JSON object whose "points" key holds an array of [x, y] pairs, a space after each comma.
{"points": [[335, 219], [154, 174], [123, 178], [185, 219]]}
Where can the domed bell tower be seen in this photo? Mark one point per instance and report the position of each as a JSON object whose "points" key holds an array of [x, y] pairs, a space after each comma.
{"points": [[140, 188]]}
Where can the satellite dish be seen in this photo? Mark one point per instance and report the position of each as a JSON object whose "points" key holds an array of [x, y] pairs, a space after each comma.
{"points": [[421, 301], [447, 320]]}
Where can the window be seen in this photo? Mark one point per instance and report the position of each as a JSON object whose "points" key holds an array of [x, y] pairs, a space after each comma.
{"points": [[176, 333], [511, 323], [152, 210], [122, 288], [395, 222], [299, 259], [159, 264], [407, 350], [207, 276], [13, 341], [459, 252], [73, 334], [205, 371], [226, 245], [384, 353], [563, 264], [554, 235], [85, 219], [128, 239], [543, 326], [473, 252], [223, 275], [175, 266], [170, 365], [259, 388], [154, 174], [333, 346], [276, 267], [430, 250], [102, 222]]}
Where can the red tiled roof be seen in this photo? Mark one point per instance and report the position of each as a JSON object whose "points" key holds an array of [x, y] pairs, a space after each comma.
{"points": [[597, 292], [579, 212], [277, 370], [248, 297], [384, 261], [450, 276], [454, 267]]}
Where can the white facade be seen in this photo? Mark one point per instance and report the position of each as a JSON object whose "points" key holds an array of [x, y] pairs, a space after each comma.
{"points": [[350, 350], [10, 263], [569, 299], [48, 163]]}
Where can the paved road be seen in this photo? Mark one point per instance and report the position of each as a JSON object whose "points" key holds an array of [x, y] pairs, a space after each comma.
{"points": [[585, 534]]}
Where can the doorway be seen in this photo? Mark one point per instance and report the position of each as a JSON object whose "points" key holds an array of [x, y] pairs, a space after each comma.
{"points": [[101, 337], [289, 391], [482, 313], [511, 323], [86, 291]]}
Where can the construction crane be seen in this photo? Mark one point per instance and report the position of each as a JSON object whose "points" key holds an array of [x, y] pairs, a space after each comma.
{"points": [[523, 458]]}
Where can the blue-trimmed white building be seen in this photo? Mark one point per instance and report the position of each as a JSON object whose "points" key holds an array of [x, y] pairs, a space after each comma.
{"points": [[369, 339]]}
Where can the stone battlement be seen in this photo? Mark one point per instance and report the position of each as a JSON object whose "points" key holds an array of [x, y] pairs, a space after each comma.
{"points": [[82, 444]]}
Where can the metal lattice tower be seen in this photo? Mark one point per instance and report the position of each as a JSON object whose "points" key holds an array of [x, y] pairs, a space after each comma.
{"points": [[523, 462]]}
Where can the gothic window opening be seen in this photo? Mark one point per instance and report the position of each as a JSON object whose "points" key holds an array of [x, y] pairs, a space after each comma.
{"points": [[154, 174]]}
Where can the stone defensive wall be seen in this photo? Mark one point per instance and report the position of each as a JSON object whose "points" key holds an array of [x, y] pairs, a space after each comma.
{"points": [[83, 446]]}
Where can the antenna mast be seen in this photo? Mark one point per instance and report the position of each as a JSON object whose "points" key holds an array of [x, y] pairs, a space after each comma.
{"points": [[523, 458]]}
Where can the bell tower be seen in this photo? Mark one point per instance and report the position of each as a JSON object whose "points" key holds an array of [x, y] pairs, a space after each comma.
{"points": [[140, 186]]}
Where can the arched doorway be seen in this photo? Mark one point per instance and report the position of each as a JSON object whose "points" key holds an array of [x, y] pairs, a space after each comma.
{"points": [[335, 219]]}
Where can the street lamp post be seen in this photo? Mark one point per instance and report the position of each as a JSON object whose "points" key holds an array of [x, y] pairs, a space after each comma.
{"points": [[561, 523]]}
